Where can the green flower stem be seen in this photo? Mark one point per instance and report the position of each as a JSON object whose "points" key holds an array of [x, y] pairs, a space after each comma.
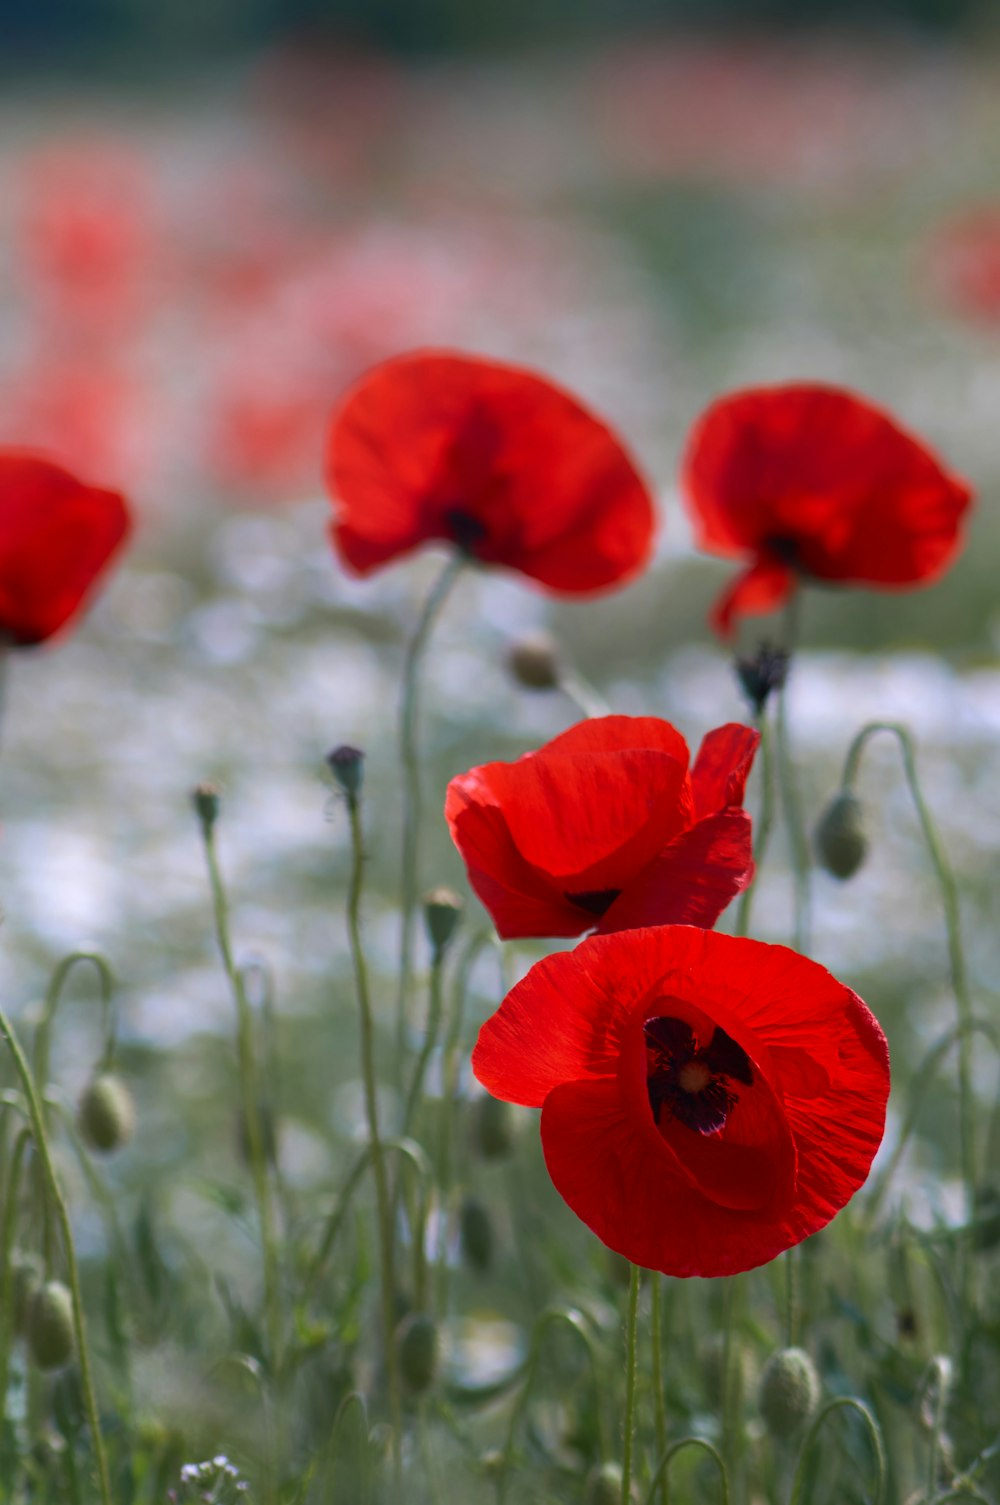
{"points": [[788, 784], [791, 1295], [630, 1378], [661, 1474], [583, 694], [250, 1092], [53, 998], [956, 952], [7, 1234], [352, 1409], [431, 1034], [55, 1196], [659, 1403], [382, 1198], [410, 763], [841, 1403], [765, 822]]}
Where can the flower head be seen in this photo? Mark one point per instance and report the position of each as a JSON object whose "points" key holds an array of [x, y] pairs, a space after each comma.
{"points": [[814, 482], [494, 460], [57, 537], [607, 826], [707, 1101]]}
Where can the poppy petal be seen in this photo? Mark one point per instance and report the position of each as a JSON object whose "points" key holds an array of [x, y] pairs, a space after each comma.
{"points": [[611, 733], [762, 587], [693, 880], [722, 767]]}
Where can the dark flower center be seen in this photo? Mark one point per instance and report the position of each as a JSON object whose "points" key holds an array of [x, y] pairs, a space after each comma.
{"points": [[785, 548], [464, 529], [596, 901], [689, 1083]]}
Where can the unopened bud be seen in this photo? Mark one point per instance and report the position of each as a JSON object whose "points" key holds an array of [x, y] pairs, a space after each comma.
{"points": [[476, 1232], [760, 675], [417, 1347], [840, 836], [789, 1391], [347, 766], [105, 1113], [493, 1124], [205, 799], [604, 1485], [534, 662], [50, 1326], [442, 912]]}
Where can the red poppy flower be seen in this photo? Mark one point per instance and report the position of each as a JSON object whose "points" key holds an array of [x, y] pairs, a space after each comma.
{"points": [[815, 482], [57, 536], [492, 459], [706, 1101], [607, 826]]}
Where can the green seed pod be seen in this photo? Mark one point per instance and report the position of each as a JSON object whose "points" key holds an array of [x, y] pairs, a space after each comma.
{"points": [[50, 1326], [493, 1127], [417, 1347], [840, 836], [476, 1227], [604, 1485], [205, 799], [442, 912], [789, 1391], [534, 662], [105, 1114]]}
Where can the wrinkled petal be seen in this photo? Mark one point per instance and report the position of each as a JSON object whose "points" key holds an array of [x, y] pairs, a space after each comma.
{"points": [[722, 767], [611, 733], [693, 880]]}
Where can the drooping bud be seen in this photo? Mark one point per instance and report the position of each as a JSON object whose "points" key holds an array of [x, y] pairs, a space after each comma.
{"points": [[789, 1391], [417, 1347], [50, 1326], [840, 836], [493, 1126], [442, 912], [347, 766], [604, 1485], [105, 1113], [533, 660], [205, 799], [760, 675], [476, 1232]]}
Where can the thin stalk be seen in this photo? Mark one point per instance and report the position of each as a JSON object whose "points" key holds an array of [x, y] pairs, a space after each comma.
{"points": [[430, 1041], [791, 1296], [10, 1209], [574, 1321], [384, 1206], [788, 784], [659, 1403], [765, 822], [728, 1386], [250, 1092], [583, 694], [630, 1378], [410, 762], [661, 1474], [58, 1202], [842, 1402]]}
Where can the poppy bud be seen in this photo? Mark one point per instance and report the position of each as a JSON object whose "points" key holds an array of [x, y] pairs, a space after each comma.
{"points": [[762, 674], [442, 912], [493, 1123], [105, 1113], [840, 836], [50, 1325], [205, 799], [417, 1347], [604, 1485], [789, 1391], [534, 661], [347, 766], [476, 1230]]}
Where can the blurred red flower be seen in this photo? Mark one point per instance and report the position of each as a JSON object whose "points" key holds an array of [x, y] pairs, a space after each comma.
{"points": [[814, 482], [57, 536], [706, 1101], [965, 263], [607, 826], [490, 458]]}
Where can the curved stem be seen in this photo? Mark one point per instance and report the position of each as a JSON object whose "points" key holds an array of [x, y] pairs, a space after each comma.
{"points": [[58, 1202], [630, 1376], [841, 1403], [384, 1209], [353, 1403], [661, 1472], [410, 762], [765, 823], [53, 998]]}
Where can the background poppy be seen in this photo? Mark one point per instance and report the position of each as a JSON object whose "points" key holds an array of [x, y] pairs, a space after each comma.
{"points": [[606, 825], [815, 482], [57, 536], [492, 459], [707, 1101]]}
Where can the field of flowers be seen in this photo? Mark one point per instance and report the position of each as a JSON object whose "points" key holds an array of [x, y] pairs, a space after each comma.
{"points": [[697, 451]]}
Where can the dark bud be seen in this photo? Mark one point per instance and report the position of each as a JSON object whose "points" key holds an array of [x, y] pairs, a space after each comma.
{"points": [[766, 671], [50, 1326], [841, 842], [534, 662], [476, 1230], [442, 912], [493, 1127], [789, 1391], [205, 799], [417, 1347], [105, 1113], [347, 766]]}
